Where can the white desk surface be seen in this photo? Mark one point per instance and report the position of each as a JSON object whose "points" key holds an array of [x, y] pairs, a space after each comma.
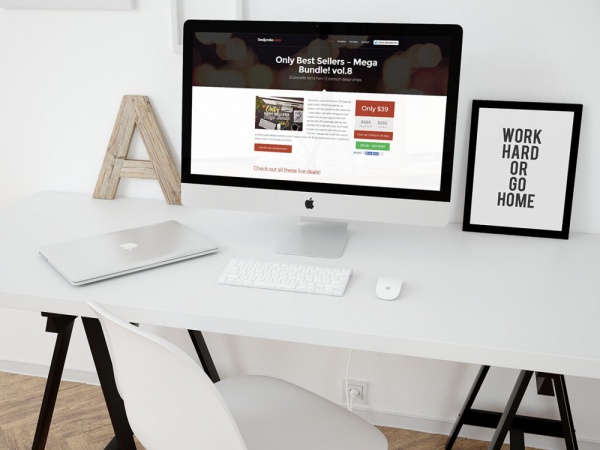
{"points": [[518, 302]]}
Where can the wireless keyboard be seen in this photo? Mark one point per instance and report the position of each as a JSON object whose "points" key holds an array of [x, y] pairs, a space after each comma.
{"points": [[286, 277]]}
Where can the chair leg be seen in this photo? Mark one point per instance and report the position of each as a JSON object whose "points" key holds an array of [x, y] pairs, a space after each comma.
{"points": [[511, 409], [204, 355], [63, 326], [460, 421], [104, 367]]}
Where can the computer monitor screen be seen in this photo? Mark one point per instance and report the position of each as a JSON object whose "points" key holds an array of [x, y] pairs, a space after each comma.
{"points": [[338, 120]]}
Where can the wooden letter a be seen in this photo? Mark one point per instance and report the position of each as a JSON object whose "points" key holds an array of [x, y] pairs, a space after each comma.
{"points": [[136, 111]]}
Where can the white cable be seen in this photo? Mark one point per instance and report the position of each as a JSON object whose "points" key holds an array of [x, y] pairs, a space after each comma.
{"points": [[348, 402]]}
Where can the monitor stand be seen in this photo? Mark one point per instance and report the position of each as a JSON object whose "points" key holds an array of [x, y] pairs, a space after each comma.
{"points": [[320, 238]]}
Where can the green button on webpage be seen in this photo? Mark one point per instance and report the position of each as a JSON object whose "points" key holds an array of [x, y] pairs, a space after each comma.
{"points": [[381, 146]]}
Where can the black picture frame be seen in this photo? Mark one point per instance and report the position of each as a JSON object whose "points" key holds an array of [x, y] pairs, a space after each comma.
{"points": [[513, 210]]}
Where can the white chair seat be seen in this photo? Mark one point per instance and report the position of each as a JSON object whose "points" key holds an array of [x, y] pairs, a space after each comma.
{"points": [[173, 405], [273, 414]]}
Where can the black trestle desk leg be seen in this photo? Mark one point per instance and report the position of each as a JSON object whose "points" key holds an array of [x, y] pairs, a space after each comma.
{"points": [[511, 409], [565, 412], [114, 403], [460, 421], [204, 355], [112, 445], [517, 439], [63, 326]]}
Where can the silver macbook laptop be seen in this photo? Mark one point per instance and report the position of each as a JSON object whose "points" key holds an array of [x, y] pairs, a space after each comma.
{"points": [[110, 255]]}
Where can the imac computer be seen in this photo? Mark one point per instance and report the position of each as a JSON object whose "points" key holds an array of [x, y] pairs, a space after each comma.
{"points": [[330, 121]]}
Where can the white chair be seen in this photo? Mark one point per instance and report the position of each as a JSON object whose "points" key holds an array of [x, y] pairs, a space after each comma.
{"points": [[171, 403]]}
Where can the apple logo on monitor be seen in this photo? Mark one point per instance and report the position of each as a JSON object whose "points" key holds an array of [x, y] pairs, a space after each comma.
{"points": [[128, 246], [310, 203]]}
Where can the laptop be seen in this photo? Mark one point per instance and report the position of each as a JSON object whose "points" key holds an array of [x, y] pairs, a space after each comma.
{"points": [[110, 255]]}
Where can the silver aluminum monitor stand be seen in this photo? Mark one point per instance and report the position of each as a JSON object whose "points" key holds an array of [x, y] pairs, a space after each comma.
{"points": [[320, 238]]}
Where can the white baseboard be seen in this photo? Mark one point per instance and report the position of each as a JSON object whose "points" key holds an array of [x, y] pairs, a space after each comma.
{"points": [[444, 426], [374, 416], [40, 370]]}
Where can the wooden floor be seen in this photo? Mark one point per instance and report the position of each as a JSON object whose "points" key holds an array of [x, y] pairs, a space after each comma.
{"points": [[81, 421]]}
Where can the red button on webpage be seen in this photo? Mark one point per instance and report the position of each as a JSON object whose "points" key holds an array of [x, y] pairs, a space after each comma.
{"points": [[377, 135], [367, 108], [273, 148]]}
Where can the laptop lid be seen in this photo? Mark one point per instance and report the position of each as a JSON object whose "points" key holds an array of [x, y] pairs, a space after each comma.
{"points": [[113, 254]]}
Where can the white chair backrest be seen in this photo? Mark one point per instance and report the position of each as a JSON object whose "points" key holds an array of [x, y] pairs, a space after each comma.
{"points": [[170, 402]]}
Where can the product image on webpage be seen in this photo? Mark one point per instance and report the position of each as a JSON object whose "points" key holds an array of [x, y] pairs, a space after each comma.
{"points": [[351, 110], [278, 113]]}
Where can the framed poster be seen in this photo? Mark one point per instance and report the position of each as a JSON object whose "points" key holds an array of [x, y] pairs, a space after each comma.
{"points": [[181, 10], [521, 168], [67, 4]]}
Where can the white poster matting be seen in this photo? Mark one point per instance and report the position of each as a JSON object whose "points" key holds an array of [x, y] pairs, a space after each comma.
{"points": [[521, 168]]}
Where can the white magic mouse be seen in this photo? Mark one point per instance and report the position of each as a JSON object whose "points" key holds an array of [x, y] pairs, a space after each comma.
{"points": [[388, 288]]}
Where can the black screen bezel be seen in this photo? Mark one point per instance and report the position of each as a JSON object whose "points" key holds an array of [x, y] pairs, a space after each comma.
{"points": [[454, 32]]}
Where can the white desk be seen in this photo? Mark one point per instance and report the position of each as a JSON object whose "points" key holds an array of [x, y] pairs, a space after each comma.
{"points": [[495, 300], [505, 301]]}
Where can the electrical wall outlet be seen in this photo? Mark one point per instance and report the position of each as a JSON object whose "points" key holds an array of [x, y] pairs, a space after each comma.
{"points": [[360, 386]]}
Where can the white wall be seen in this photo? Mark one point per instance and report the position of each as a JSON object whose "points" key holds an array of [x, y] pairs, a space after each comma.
{"points": [[62, 75]]}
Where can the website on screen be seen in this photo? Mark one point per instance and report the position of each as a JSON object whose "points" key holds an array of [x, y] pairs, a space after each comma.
{"points": [[354, 110]]}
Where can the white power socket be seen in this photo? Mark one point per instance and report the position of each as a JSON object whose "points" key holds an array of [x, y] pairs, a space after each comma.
{"points": [[360, 386]]}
